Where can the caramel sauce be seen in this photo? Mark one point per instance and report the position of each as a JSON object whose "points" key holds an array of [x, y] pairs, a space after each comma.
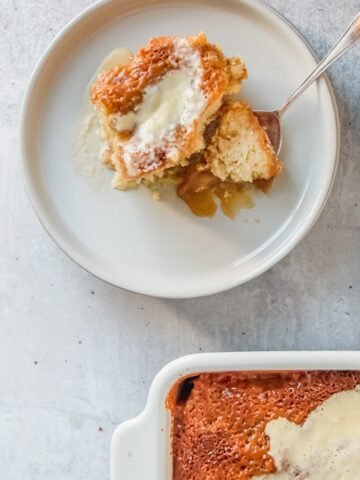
{"points": [[264, 185], [125, 135], [202, 192]]}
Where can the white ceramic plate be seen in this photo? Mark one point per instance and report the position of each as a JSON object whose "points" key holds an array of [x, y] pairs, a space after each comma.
{"points": [[160, 248], [141, 447]]}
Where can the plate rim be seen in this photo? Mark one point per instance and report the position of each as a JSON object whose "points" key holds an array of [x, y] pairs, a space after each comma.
{"points": [[147, 290]]}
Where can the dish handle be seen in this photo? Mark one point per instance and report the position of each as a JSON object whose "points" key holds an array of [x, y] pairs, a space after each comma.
{"points": [[137, 450]]}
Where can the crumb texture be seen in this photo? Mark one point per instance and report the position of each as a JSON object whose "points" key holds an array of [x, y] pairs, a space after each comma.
{"points": [[240, 150]]}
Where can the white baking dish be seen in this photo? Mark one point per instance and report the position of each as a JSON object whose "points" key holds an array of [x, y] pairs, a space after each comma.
{"points": [[141, 447]]}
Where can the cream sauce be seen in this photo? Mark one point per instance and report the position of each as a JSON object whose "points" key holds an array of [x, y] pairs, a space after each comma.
{"points": [[175, 100], [88, 144], [325, 447]]}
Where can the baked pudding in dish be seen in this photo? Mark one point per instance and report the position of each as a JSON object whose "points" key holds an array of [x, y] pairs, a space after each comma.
{"points": [[290, 425]]}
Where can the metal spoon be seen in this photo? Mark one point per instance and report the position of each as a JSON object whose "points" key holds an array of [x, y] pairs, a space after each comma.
{"points": [[270, 121]]}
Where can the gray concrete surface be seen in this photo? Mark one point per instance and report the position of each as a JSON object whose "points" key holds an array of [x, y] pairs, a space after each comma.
{"points": [[77, 355]]}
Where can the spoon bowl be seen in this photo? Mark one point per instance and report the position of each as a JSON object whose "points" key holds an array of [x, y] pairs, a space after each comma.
{"points": [[270, 122]]}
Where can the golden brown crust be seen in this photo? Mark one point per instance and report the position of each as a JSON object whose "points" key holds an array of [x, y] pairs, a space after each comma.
{"points": [[219, 430], [120, 89]]}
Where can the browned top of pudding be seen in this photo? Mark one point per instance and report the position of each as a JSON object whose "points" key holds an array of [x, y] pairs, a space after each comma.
{"points": [[121, 89], [219, 419]]}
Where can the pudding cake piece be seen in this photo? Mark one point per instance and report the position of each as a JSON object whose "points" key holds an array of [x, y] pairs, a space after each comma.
{"points": [[240, 150], [155, 108]]}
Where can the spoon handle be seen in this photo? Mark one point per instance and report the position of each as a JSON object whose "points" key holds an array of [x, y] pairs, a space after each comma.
{"points": [[346, 42]]}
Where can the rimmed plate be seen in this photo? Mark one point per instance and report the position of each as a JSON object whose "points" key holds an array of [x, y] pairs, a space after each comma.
{"points": [[158, 247]]}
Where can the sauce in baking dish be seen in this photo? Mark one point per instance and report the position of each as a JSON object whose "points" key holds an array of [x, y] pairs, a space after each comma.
{"points": [[267, 425]]}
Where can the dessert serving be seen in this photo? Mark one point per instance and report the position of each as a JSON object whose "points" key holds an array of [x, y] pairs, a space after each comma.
{"points": [[159, 247], [155, 108], [291, 425], [167, 116]]}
